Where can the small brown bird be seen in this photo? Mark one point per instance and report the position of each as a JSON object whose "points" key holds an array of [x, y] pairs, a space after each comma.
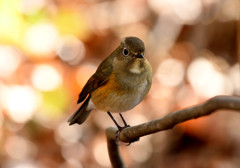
{"points": [[120, 82]]}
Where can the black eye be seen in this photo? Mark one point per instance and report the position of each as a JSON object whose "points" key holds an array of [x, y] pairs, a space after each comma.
{"points": [[125, 52]]}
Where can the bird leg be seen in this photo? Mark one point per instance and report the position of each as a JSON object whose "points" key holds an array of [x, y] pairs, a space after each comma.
{"points": [[125, 126], [120, 128], [125, 123]]}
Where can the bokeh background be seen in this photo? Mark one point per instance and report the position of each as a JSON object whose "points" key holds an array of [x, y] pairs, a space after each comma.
{"points": [[49, 49]]}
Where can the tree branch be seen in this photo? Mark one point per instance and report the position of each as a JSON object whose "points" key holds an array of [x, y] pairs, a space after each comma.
{"points": [[113, 150], [165, 123]]}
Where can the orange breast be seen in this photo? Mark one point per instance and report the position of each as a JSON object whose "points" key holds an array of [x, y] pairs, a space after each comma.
{"points": [[114, 97], [107, 96]]}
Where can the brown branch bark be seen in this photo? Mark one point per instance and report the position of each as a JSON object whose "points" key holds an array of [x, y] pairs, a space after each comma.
{"points": [[165, 123]]}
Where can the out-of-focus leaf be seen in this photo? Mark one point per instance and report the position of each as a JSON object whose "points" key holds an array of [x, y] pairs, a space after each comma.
{"points": [[54, 102]]}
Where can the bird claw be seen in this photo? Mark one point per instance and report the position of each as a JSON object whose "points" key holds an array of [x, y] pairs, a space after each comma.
{"points": [[116, 137], [118, 133], [131, 141]]}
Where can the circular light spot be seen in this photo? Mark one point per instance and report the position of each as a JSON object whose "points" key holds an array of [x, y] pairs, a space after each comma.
{"points": [[69, 134], [19, 148], [187, 10], [9, 60], [72, 163], [20, 102], [73, 151], [41, 39], [31, 7], [71, 50], [170, 72], [206, 80], [46, 78]]}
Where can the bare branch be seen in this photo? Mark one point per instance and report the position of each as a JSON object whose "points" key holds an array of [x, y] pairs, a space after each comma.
{"points": [[165, 123], [113, 150]]}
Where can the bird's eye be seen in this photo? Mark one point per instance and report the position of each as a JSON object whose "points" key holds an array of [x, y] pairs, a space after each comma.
{"points": [[125, 52]]}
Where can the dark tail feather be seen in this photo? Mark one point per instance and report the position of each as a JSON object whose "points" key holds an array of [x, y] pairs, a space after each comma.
{"points": [[81, 114]]}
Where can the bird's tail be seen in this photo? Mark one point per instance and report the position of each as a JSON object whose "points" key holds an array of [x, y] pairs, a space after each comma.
{"points": [[81, 114]]}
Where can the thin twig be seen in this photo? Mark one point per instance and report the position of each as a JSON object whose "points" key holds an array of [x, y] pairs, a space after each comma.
{"points": [[165, 123]]}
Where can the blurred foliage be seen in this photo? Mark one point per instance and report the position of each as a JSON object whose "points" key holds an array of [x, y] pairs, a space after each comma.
{"points": [[54, 102]]}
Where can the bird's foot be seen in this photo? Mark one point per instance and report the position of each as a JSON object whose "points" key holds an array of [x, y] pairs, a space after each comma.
{"points": [[118, 133]]}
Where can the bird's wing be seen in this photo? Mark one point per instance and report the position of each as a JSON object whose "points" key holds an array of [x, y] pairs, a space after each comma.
{"points": [[99, 78]]}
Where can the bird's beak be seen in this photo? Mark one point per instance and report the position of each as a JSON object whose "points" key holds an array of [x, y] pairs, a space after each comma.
{"points": [[139, 55]]}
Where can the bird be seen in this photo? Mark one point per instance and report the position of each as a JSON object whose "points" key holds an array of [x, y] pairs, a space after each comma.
{"points": [[120, 83]]}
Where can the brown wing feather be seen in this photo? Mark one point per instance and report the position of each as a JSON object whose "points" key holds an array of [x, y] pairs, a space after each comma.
{"points": [[92, 84], [99, 78]]}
